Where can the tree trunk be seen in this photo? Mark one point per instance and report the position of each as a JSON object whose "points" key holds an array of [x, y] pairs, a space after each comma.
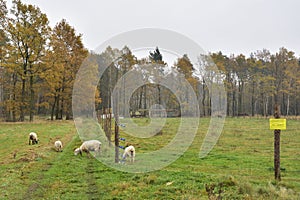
{"points": [[233, 100], [13, 116], [262, 104], [203, 98], [69, 113], [61, 110], [252, 100], [68, 116], [228, 100], [22, 107], [145, 100], [159, 94], [288, 105], [53, 108], [240, 97], [57, 107], [266, 106], [31, 111], [141, 97]]}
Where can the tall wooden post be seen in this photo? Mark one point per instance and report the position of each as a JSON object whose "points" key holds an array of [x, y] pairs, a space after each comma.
{"points": [[109, 131], [116, 139], [277, 146]]}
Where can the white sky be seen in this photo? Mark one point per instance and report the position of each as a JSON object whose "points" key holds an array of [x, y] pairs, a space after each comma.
{"points": [[230, 26]]}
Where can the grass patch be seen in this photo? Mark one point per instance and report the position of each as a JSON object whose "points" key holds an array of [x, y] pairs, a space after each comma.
{"points": [[239, 166]]}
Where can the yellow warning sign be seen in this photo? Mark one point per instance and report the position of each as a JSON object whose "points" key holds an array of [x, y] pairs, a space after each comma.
{"points": [[278, 124]]}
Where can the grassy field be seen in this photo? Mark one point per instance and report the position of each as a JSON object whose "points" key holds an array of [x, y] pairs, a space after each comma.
{"points": [[239, 167]]}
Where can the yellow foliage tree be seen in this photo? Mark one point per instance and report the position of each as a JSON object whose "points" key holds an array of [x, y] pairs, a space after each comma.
{"points": [[64, 58]]}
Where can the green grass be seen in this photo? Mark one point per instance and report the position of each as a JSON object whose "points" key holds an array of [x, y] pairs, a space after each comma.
{"points": [[239, 167]]}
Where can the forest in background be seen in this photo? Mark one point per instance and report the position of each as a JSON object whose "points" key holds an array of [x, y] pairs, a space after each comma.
{"points": [[39, 63]]}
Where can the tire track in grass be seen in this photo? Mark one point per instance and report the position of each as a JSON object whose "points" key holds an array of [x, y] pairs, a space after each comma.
{"points": [[36, 189], [62, 179], [36, 186], [93, 192]]}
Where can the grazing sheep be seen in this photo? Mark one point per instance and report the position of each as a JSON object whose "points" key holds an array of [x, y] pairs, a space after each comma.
{"points": [[129, 151], [87, 146], [33, 139], [58, 145]]}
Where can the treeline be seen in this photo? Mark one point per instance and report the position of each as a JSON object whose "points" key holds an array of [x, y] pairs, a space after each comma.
{"points": [[38, 66], [253, 84], [149, 81]]}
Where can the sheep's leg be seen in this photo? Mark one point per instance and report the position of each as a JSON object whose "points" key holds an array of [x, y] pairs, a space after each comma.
{"points": [[88, 154], [131, 156], [97, 154], [30, 140]]}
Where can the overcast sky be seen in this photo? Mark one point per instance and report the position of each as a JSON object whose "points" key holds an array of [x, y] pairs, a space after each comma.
{"points": [[230, 26]]}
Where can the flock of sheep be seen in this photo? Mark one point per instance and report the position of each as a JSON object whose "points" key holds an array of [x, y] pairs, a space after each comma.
{"points": [[87, 146]]}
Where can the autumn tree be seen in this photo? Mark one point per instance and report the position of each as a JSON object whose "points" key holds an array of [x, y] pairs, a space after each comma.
{"points": [[226, 66], [292, 73], [284, 71], [27, 31], [110, 73], [3, 44], [253, 82], [241, 67], [124, 64], [185, 68], [3, 18], [64, 57]]}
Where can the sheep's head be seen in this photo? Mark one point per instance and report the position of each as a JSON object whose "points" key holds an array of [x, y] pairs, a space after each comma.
{"points": [[77, 151]]}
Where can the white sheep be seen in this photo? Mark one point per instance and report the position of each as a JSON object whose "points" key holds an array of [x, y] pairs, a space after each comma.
{"points": [[58, 145], [87, 146], [129, 151], [33, 139]]}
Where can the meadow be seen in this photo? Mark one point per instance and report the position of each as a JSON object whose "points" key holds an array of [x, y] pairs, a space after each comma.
{"points": [[239, 167]]}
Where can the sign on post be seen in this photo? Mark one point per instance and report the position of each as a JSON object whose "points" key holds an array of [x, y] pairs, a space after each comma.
{"points": [[279, 124]]}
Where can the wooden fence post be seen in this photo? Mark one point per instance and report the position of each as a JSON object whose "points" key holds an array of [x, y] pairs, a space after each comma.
{"points": [[116, 140], [277, 146]]}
